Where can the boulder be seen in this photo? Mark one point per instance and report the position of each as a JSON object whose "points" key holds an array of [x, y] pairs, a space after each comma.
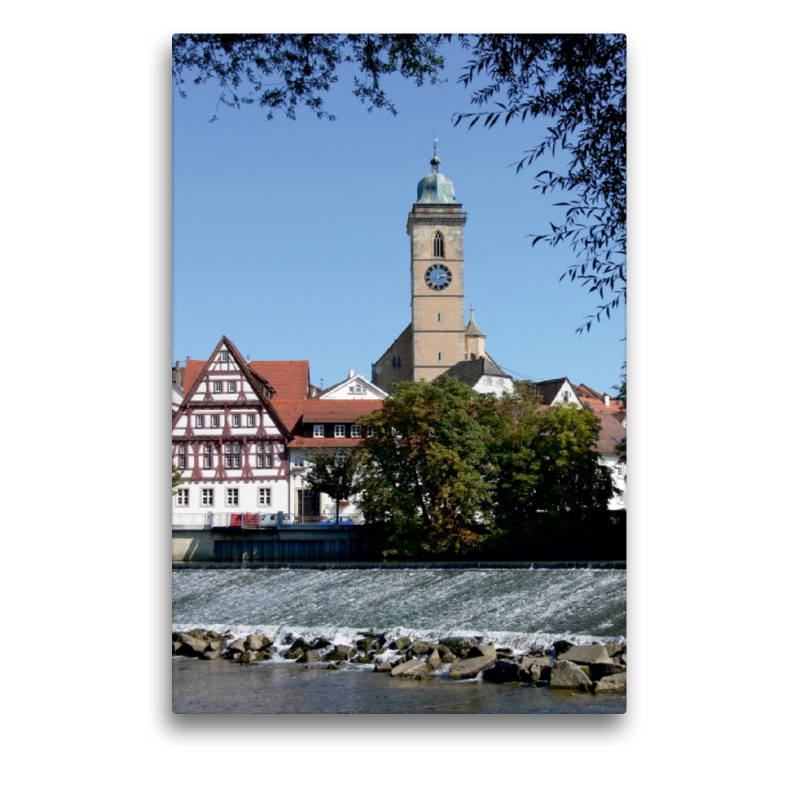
{"points": [[309, 657], [506, 672], [434, 660], [410, 669], [464, 668], [383, 666], [210, 655], [586, 654], [482, 650], [300, 643], [602, 670], [612, 683], [504, 652], [191, 646], [420, 648], [561, 646], [175, 647], [566, 675], [458, 645], [365, 645], [400, 643], [236, 646], [255, 641], [215, 645], [294, 653], [321, 643]]}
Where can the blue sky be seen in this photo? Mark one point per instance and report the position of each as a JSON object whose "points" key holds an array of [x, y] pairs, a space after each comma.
{"points": [[289, 236]]}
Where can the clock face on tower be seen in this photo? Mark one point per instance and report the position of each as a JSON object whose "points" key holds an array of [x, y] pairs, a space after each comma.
{"points": [[438, 277]]}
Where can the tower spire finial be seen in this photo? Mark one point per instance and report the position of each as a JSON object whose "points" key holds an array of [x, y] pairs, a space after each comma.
{"points": [[435, 161]]}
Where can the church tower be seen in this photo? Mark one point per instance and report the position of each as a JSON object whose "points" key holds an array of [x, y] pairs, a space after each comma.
{"points": [[436, 339], [436, 229]]}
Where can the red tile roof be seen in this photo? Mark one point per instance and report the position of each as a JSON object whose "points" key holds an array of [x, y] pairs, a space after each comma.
{"points": [[338, 410], [289, 378], [611, 432]]}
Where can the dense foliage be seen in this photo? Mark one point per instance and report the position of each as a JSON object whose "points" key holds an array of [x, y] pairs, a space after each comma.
{"points": [[575, 83], [448, 471], [425, 476], [546, 469]]}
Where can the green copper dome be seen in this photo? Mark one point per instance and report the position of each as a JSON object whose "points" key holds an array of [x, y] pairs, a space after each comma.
{"points": [[435, 187]]}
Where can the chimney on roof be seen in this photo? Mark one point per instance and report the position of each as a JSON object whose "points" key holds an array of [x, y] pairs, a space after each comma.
{"points": [[351, 374], [606, 400]]}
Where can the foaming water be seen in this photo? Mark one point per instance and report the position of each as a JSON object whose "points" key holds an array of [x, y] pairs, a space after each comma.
{"points": [[512, 608]]}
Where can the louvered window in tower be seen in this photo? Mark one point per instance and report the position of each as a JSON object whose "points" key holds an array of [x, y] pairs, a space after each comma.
{"points": [[438, 245]]}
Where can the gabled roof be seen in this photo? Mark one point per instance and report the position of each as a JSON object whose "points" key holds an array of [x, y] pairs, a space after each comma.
{"points": [[260, 385], [470, 372], [594, 400], [611, 433], [354, 379], [338, 410], [289, 378], [549, 389]]}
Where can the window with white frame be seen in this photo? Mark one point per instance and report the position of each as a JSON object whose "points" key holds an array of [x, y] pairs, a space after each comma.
{"points": [[355, 431], [217, 386], [251, 420], [260, 448], [207, 497], [338, 431], [236, 420], [215, 420], [223, 356], [182, 462], [487, 381], [232, 497], [231, 386], [207, 462], [237, 448], [237, 462], [182, 497], [209, 448], [264, 461], [228, 448], [228, 462], [299, 460], [199, 421], [319, 431], [619, 469], [370, 430], [339, 458], [264, 496], [182, 449]]}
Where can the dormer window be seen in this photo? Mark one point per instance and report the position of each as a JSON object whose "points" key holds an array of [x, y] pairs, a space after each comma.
{"points": [[438, 245]]}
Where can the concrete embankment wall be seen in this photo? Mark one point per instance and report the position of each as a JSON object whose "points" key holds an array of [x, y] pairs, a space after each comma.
{"points": [[297, 545]]}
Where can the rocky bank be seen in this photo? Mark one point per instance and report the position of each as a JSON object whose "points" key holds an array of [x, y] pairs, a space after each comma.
{"points": [[564, 665]]}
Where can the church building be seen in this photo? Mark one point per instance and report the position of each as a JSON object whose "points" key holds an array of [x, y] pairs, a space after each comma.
{"points": [[436, 338]]}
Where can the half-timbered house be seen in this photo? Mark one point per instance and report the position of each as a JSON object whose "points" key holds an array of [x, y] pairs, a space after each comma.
{"points": [[229, 443]]}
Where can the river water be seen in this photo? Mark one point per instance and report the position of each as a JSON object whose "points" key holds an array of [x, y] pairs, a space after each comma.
{"points": [[517, 608]]}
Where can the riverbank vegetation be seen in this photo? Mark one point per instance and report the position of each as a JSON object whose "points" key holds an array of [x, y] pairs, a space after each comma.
{"points": [[447, 472]]}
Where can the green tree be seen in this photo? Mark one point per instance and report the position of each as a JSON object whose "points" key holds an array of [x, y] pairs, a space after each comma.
{"points": [[575, 83], [278, 72], [424, 483], [176, 479], [546, 467], [335, 474]]}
